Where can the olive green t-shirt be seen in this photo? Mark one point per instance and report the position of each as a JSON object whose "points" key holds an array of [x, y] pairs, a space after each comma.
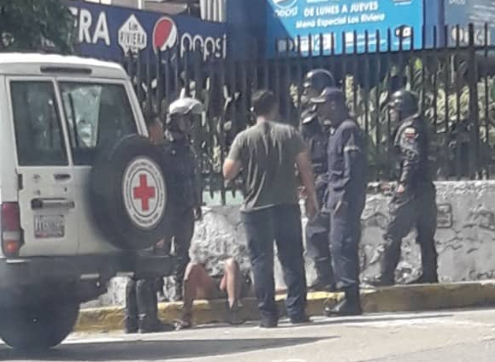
{"points": [[267, 153]]}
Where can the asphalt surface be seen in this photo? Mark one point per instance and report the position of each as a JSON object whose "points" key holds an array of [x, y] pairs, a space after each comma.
{"points": [[450, 336]]}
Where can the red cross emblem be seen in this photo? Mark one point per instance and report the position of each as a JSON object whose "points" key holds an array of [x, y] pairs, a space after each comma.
{"points": [[144, 192]]}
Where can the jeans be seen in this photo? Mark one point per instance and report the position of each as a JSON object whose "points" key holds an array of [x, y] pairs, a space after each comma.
{"points": [[141, 300], [282, 224]]}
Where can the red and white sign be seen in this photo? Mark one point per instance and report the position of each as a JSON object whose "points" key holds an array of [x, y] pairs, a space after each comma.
{"points": [[144, 192], [165, 34]]}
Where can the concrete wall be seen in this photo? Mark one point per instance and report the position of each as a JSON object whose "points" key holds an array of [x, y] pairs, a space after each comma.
{"points": [[465, 238]]}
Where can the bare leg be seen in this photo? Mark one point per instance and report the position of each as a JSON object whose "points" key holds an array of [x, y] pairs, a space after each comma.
{"points": [[232, 282]]}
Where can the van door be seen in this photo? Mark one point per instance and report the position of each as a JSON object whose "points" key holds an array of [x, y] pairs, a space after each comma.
{"points": [[98, 114], [48, 210]]}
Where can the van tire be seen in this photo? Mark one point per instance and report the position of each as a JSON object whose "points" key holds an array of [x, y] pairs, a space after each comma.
{"points": [[38, 328], [108, 188]]}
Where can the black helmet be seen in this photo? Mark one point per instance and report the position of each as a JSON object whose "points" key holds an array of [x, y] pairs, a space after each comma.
{"points": [[405, 102], [319, 79]]}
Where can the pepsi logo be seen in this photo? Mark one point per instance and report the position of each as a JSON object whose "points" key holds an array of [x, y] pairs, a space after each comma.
{"points": [[284, 4], [164, 34]]}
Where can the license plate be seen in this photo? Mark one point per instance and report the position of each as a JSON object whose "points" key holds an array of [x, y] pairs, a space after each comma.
{"points": [[46, 227]]}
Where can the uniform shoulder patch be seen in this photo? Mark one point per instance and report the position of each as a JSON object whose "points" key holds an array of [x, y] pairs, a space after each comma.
{"points": [[410, 132]]}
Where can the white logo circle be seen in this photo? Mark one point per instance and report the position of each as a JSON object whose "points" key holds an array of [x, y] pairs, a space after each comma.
{"points": [[144, 191], [284, 4]]}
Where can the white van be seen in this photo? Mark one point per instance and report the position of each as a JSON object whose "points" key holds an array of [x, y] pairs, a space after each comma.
{"points": [[83, 194]]}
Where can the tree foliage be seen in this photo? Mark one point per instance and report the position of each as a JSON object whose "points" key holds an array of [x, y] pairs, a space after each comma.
{"points": [[36, 25]]}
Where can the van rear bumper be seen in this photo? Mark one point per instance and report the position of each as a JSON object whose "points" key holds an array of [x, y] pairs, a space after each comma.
{"points": [[27, 275]]}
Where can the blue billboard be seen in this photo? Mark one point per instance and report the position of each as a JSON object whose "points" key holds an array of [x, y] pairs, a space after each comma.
{"points": [[110, 32], [297, 24], [460, 13]]}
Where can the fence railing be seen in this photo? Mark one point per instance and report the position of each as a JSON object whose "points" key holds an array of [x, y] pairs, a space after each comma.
{"points": [[455, 81]]}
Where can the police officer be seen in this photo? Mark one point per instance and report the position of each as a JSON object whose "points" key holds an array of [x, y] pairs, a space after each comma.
{"points": [[347, 169], [185, 180], [141, 307], [315, 134], [413, 204]]}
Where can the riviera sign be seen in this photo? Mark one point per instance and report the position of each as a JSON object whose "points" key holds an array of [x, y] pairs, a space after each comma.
{"points": [[343, 23]]}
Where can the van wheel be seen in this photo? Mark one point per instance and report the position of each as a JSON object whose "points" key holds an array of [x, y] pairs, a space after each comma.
{"points": [[38, 328]]}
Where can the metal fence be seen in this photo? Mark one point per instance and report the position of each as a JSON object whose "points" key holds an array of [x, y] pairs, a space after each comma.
{"points": [[455, 81]]}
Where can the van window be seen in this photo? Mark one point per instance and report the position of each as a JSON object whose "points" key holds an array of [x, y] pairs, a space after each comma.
{"points": [[39, 136], [98, 115]]}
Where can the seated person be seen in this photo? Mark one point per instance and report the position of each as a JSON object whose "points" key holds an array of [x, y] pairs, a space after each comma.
{"points": [[198, 284]]}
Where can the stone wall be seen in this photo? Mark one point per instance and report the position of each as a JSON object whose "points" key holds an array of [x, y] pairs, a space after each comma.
{"points": [[465, 238]]}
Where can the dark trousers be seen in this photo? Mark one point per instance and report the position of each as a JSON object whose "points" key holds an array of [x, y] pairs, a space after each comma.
{"points": [[141, 300], [407, 211], [318, 247], [281, 224], [345, 235], [181, 236]]}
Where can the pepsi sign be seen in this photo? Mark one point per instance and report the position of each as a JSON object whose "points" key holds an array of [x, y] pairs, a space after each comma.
{"points": [[110, 32], [166, 36]]}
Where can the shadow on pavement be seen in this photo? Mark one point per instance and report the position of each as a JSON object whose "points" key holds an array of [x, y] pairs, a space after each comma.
{"points": [[154, 350], [372, 318]]}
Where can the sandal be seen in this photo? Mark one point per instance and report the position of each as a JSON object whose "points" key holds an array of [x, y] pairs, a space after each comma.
{"points": [[181, 324]]}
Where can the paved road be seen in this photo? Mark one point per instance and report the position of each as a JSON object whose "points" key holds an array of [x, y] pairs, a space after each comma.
{"points": [[466, 336]]}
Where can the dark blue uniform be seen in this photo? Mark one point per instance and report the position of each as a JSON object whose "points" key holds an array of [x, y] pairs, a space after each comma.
{"points": [[347, 172], [185, 183], [317, 229], [416, 207]]}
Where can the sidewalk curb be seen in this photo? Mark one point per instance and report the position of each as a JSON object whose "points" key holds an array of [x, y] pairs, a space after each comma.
{"points": [[394, 299]]}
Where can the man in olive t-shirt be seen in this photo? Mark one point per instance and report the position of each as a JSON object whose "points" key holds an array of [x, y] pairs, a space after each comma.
{"points": [[268, 154]]}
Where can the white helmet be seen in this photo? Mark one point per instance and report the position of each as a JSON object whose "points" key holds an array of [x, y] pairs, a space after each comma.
{"points": [[185, 106]]}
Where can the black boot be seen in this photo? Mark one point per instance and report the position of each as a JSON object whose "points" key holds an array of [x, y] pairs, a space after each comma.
{"points": [[268, 323], [300, 319], [381, 281], [148, 308], [151, 324], [322, 285], [131, 311], [391, 258], [349, 306], [429, 263], [424, 280], [131, 325], [325, 281]]}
